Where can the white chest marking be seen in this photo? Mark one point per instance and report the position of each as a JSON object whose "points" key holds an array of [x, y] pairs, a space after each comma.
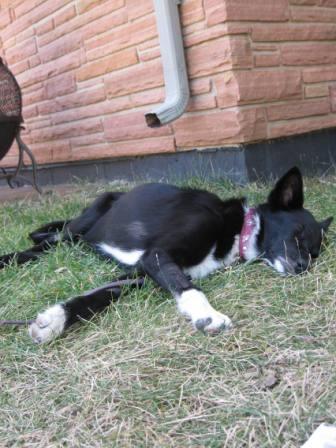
{"points": [[130, 257], [210, 263]]}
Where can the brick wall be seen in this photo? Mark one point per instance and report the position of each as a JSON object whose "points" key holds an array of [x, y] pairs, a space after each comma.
{"points": [[89, 69]]}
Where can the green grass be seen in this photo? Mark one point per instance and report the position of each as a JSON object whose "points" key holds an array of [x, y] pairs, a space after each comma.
{"points": [[139, 376]]}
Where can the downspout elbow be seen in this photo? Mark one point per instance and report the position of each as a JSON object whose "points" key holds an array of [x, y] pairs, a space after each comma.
{"points": [[174, 65]]}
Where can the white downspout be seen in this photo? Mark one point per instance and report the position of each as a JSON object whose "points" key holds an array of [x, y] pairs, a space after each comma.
{"points": [[174, 65]]}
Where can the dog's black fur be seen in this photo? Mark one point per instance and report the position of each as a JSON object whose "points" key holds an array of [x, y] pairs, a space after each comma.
{"points": [[173, 235]]}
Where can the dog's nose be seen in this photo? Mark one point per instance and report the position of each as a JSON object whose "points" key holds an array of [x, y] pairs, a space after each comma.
{"points": [[301, 266]]}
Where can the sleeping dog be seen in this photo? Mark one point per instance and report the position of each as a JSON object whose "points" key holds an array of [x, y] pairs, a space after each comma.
{"points": [[175, 235]]}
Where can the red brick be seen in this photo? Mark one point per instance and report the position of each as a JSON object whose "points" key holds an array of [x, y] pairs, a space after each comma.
{"points": [[55, 151], [90, 111], [265, 47], [131, 126], [150, 43], [60, 85], [116, 61], [65, 15], [50, 69], [298, 109], [257, 86], [29, 112], [305, 2], [316, 91], [201, 102], [9, 161], [26, 7], [191, 11], [124, 36], [38, 123], [151, 53], [88, 140], [301, 126], [103, 25], [293, 32], [5, 18], [319, 74], [42, 155], [135, 79], [61, 151], [218, 128], [34, 61], [44, 27], [332, 93], [267, 59], [34, 97], [241, 10], [84, 21], [72, 101], [308, 53], [21, 52], [85, 5], [146, 97], [253, 124], [198, 86], [139, 8], [215, 11], [257, 10], [61, 47], [328, 3], [218, 55], [205, 35], [20, 67], [132, 148], [37, 13], [68, 130], [301, 14]]}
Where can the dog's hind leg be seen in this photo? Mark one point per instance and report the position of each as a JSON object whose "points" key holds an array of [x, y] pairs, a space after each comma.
{"points": [[53, 321], [50, 234], [191, 302], [79, 226]]}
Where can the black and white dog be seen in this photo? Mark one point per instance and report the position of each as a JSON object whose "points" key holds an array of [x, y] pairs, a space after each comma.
{"points": [[175, 235]]}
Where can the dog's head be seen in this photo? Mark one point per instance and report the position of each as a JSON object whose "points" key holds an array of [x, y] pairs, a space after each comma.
{"points": [[290, 236]]}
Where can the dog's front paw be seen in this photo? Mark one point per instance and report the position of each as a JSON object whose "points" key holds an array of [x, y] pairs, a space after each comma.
{"points": [[214, 323], [195, 306], [48, 325]]}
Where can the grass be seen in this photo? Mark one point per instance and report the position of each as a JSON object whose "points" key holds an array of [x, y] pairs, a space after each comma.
{"points": [[139, 376]]}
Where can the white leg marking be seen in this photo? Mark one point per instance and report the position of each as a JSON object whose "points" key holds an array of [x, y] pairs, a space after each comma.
{"points": [[195, 306], [130, 257], [48, 325], [278, 266]]}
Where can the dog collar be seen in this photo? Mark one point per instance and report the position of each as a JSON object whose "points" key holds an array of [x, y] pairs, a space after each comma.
{"points": [[249, 230]]}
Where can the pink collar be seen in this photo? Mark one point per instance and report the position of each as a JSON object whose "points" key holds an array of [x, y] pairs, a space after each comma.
{"points": [[247, 231]]}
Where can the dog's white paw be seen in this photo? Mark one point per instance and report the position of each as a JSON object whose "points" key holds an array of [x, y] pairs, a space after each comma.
{"points": [[195, 306], [48, 325], [214, 323]]}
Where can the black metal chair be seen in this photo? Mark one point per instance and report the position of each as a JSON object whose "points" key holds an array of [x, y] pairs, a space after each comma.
{"points": [[11, 124]]}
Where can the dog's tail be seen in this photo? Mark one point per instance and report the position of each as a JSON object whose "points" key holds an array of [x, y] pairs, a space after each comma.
{"points": [[27, 255], [49, 232]]}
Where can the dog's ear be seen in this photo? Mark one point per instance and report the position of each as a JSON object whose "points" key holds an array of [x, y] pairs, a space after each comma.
{"points": [[288, 192], [325, 224]]}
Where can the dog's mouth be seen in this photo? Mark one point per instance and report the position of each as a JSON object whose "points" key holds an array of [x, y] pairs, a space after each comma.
{"points": [[286, 266]]}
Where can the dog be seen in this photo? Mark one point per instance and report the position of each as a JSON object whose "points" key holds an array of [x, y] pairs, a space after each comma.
{"points": [[175, 235]]}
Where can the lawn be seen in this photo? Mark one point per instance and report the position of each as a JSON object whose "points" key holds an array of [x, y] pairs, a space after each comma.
{"points": [[139, 375]]}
